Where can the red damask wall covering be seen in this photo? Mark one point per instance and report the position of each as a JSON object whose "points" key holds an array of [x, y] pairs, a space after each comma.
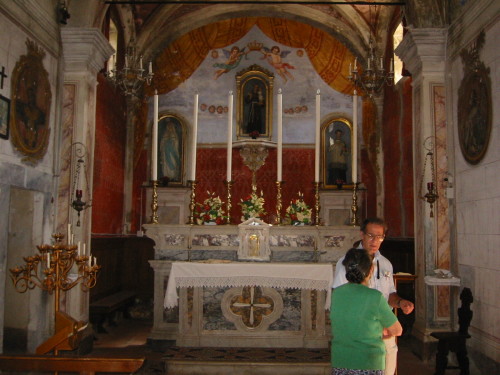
{"points": [[109, 159]]}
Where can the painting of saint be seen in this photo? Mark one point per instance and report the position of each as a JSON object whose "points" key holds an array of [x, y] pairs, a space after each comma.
{"points": [[336, 153], [255, 104], [170, 150]]}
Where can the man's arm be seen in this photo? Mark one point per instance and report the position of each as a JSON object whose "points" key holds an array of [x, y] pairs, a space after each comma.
{"points": [[396, 301]]}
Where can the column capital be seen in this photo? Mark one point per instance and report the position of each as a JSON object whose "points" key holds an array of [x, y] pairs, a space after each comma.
{"points": [[84, 49], [423, 50]]}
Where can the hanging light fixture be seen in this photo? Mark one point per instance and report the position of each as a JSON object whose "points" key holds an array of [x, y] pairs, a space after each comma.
{"points": [[431, 196], [131, 78], [371, 78], [80, 153]]}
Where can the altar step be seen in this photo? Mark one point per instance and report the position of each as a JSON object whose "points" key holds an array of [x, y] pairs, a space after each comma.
{"points": [[246, 361]]}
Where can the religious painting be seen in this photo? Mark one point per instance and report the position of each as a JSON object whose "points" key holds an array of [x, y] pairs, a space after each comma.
{"points": [[30, 106], [255, 103], [474, 105], [4, 117], [171, 140], [336, 158]]}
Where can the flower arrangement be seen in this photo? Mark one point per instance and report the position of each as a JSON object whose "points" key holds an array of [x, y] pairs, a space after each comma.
{"points": [[298, 212], [252, 206], [210, 211]]}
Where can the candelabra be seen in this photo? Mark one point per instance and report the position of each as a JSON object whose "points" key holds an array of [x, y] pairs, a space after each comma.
{"points": [[372, 78], [50, 271], [229, 185], [154, 203], [354, 206], [192, 203], [278, 202], [131, 78], [317, 206]]}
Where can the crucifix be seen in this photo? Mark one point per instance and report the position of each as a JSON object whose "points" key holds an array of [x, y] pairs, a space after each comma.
{"points": [[2, 76]]}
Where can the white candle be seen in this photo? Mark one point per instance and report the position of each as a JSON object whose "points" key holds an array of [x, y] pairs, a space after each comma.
{"points": [[229, 136], [90, 260], [355, 65], [354, 151], [79, 248], [194, 140], [316, 138], [280, 136], [150, 67], [84, 246], [69, 233], [72, 238], [392, 65], [48, 260], [140, 63], [154, 140]]}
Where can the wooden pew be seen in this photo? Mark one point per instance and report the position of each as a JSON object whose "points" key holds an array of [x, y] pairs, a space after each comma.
{"points": [[82, 365]]}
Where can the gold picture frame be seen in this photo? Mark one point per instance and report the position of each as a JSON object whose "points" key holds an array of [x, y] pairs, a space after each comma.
{"points": [[172, 137], [336, 157], [255, 103]]}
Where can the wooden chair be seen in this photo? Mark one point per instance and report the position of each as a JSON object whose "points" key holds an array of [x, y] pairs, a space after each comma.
{"points": [[455, 341]]}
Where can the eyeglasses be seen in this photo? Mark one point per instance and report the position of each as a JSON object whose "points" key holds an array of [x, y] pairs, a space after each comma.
{"points": [[375, 237]]}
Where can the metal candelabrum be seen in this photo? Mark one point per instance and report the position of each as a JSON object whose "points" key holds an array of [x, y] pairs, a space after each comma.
{"points": [[192, 202], [278, 220], [229, 185], [317, 206], [354, 206], [154, 203]]}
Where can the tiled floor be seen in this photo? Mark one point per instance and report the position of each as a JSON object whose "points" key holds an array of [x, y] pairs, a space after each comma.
{"points": [[130, 336]]}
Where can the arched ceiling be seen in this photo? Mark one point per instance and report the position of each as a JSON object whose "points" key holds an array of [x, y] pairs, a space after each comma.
{"points": [[156, 25]]}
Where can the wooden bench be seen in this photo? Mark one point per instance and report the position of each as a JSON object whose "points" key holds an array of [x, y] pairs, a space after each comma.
{"points": [[82, 365], [106, 308]]}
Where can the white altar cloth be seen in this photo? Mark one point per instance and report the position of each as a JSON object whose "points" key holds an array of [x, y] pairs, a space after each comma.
{"points": [[239, 274]]}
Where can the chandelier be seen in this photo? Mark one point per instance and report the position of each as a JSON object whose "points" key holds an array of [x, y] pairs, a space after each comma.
{"points": [[131, 78], [371, 78]]}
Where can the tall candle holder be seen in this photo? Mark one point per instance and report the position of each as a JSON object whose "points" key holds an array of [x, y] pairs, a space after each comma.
{"points": [[229, 185], [154, 203], [278, 202], [317, 206], [192, 202], [50, 271], [354, 206]]}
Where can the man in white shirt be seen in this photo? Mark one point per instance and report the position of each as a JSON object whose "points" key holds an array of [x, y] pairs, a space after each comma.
{"points": [[372, 235]]}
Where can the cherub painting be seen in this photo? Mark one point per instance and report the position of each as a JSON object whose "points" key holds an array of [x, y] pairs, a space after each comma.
{"points": [[233, 60], [274, 57]]}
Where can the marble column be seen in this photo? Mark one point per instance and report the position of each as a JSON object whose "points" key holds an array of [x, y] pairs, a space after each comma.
{"points": [[423, 52], [84, 51]]}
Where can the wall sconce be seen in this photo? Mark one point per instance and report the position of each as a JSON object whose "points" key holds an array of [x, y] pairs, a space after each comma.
{"points": [[80, 153], [431, 195]]}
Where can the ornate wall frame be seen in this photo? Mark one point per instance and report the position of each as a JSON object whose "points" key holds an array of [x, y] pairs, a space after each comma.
{"points": [[30, 107], [247, 81], [172, 135], [328, 134], [474, 105]]}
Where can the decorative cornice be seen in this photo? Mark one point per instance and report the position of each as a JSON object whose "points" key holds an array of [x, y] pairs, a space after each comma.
{"points": [[423, 50], [84, 49]]}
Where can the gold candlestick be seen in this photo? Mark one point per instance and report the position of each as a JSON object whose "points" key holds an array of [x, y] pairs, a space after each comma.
{"points": [[317, 206], [154, 203], [354, 206], [278, 202], [229, 185], [192, 203], [50, 271]]}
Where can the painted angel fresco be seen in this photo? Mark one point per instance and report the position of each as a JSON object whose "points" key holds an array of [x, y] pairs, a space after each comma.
{"points": [[275, 57], [233, 56]]}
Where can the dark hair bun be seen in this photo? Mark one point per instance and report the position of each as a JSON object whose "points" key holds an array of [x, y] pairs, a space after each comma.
{"points": [[355, 275]]}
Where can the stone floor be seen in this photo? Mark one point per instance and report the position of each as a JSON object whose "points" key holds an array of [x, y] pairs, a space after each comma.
{"points": [[130, 336]]}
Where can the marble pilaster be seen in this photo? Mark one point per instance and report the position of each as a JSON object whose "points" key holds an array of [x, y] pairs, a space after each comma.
{"points": [[423, 52], [84, 50]]}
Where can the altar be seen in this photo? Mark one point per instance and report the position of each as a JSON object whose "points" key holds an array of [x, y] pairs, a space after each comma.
{"points": [[246, 304], [288, 293]]}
